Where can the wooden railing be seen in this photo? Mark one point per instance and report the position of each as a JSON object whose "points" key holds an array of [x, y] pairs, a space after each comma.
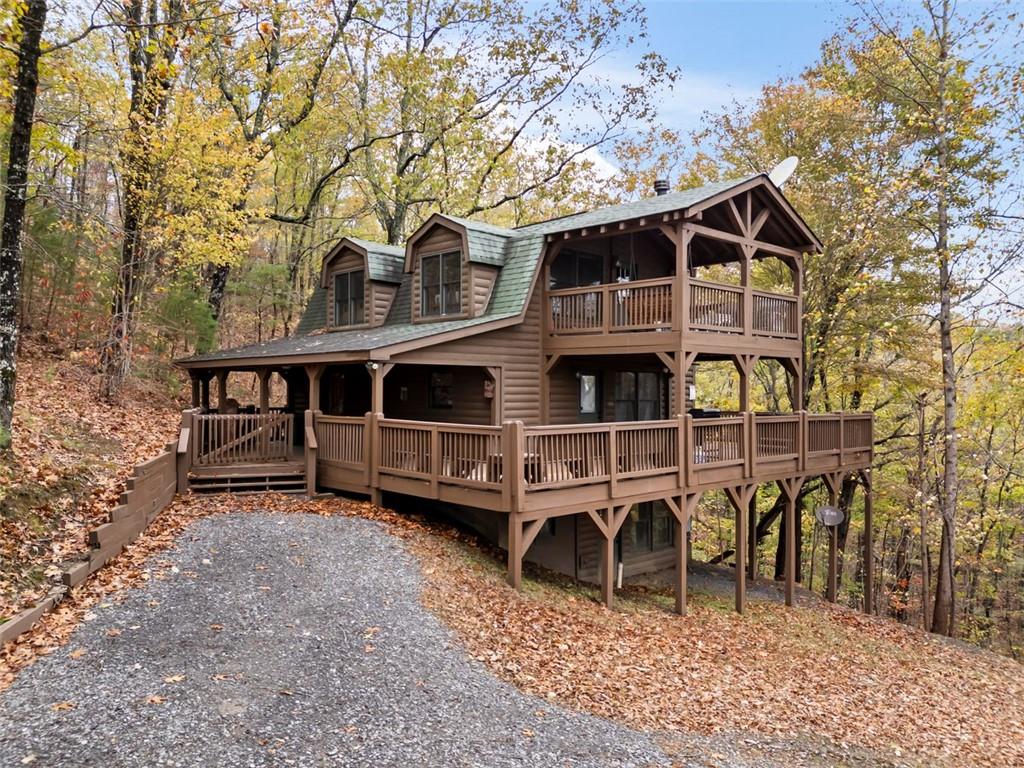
{"points": [[777, 436], [715, 307], [243, 438], [646, 305], [454, 454], [717, 441], [340, 439], [776, 315], [641, 305], [512, 466]]}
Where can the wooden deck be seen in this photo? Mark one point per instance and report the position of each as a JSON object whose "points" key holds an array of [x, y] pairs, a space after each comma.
{"points": [[663, 311], [536, 471], [570, 468]]}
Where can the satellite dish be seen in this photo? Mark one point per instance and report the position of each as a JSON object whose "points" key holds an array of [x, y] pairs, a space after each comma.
{"points": [[780, 173], [829, 516]]}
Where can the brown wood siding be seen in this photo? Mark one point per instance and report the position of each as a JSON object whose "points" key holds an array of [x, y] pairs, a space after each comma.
{"points": [[481, 278], [563, 395], [346, 261], [469, 404], [515, 349], [381, 296], [439, 240]]}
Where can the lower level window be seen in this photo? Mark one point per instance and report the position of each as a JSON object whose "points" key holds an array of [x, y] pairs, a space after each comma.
{"points": [[442, 384], [650, 527]]}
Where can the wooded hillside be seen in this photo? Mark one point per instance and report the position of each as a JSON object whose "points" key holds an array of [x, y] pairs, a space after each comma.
{"points": [[184, 167]]}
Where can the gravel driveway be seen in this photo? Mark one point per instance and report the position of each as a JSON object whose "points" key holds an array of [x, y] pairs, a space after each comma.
{"points": [[286, 640]]}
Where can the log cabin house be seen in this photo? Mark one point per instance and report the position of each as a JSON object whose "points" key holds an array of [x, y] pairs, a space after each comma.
{"points": [[538, 381]]}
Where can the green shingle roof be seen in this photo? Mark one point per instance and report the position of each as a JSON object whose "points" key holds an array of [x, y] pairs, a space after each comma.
{"points": [[516, 251], [385, 263]]}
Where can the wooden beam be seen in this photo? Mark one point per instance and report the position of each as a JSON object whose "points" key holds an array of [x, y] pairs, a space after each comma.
{"points": [[759, 222], [760, 245]]}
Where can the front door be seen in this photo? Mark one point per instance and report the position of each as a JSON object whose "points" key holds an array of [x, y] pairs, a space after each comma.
{"points": [[589, 402]]}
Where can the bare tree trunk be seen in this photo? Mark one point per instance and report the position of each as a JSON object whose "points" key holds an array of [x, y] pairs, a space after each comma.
{"points": [[25, 86], [943, 618], [922, 501]]}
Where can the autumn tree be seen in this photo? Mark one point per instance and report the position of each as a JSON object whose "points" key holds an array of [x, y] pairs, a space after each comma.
{"points": [[947, 98], [16, 191]]}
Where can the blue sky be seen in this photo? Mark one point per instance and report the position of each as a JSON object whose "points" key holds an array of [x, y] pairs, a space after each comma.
{"points": [[727, 49]]}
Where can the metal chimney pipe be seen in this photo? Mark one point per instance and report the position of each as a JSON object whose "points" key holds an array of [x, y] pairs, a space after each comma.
{"points": [[661, 186]]}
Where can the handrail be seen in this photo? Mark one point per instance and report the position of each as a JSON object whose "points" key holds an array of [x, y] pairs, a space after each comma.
{"points": [[649, 282], [719, 286]]}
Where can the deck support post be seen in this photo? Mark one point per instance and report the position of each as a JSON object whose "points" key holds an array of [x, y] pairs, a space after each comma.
{"points": [[264, 376], [790, 488], [222, 391], [608, 522], [682, 508], [832, 481], [515, 551], [520, 536], [739, 497], [752, 535], [869, 549]]}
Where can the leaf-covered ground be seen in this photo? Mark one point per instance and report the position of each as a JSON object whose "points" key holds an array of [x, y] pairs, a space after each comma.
{"points": [[72, 455], [812, 673]]}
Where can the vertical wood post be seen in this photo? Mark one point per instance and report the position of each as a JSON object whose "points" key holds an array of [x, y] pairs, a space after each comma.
{"points": [[613, 461], [790, 544], [265, 375], [311, 447], [869, 549], [681, 457], [375, 497], [196, 387], [222, 391], [369, 435], [752, 535], [515, 551], [681, 555], [750, 444], [689, 449], [313, 373], [435, 461], [740, 509], [746, 265], [833, 552], [184, 452], [683, 285], [608, 561], [204, 391]]}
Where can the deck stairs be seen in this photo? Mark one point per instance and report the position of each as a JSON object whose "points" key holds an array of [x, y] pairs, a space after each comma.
{"points": [[279, 476]]}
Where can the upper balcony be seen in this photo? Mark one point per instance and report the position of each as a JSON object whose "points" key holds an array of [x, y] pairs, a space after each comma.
{"points": [[715, 315], [689, 285]]}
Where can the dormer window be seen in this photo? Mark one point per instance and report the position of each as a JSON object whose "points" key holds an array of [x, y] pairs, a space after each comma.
{"points": [[348, 298], [441, 284]]}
